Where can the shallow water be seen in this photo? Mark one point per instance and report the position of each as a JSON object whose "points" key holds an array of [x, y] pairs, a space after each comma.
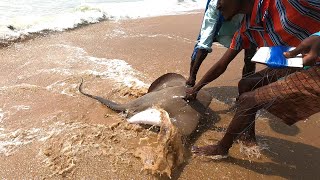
{"points": [[49, 130]]}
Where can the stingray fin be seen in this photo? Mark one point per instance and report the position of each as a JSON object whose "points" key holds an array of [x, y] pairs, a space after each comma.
{"points": [[110, 104], [167, 80]]}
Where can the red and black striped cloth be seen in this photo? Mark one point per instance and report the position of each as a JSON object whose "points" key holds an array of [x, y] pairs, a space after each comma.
{"points": [[278, 22]]}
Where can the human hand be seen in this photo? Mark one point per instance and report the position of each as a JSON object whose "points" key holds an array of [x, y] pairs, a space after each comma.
{"points": [[190, 82], [310, 50], [191, 94]]}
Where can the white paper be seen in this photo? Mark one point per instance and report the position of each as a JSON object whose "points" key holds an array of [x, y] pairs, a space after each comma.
{"points": [[263, 55]]}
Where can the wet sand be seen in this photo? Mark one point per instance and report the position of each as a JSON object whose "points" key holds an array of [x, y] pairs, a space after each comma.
{"points": [[49, 130]]}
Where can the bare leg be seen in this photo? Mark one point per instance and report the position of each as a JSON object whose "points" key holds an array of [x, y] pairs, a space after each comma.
{"points": [[249, 67], [243, 121], [255, 81], [248, 137]]}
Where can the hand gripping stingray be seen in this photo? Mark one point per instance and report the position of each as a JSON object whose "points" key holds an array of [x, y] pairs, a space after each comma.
{"points": [[167, 93]]}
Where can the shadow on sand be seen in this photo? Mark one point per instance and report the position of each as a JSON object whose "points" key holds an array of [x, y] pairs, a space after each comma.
{"points": [[290, 160]]}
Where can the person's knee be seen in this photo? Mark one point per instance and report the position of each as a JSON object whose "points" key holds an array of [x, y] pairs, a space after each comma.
{"points": [[246, 100]]}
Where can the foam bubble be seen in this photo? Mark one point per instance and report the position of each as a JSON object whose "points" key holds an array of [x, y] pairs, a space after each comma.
{"points": [[10, 141], [1, 115], [116, 69], [254, 150], [62, 71], [21, 107], [125, 77], [62, 87], [121, 34], [19, 86]]}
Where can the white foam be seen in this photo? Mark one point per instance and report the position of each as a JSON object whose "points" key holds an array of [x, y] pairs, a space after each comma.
{"points": [[62, 87], [12, 110], [253, 151], [59, 15], [1, 115], [62, 71], [19, 86], [10, 141], [116, 69], [121, 34], [21, 107]]}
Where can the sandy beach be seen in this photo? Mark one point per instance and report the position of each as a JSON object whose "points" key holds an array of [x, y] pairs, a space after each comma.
{"points": [[48, 130]]}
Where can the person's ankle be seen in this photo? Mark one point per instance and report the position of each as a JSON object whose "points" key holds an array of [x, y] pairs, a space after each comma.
{"points": [[222, 149], [247, 140]]}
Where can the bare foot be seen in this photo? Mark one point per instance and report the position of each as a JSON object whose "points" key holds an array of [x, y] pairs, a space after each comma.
{"points": [[214, 151]]}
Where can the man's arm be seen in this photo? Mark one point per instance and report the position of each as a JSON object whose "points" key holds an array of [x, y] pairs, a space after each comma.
{"points": [[195, 65], [210, 26], [214, 72]]}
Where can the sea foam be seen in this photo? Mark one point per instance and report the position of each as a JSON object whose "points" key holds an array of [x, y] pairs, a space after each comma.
{"points": [[34, 16]]}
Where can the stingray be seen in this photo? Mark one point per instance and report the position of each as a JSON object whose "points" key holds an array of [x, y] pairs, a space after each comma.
{"points": [[167, 93]]}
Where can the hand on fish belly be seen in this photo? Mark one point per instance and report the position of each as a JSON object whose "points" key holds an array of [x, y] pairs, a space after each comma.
{"points": [[191, 94]]}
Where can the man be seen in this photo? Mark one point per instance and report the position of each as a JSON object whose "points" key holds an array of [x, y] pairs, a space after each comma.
{"points": [[215, 28], [290, 94]]}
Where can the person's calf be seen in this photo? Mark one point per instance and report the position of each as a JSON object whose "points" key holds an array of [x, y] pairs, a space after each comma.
{"points": [[248, 69], [249, 66], [247, 139]]}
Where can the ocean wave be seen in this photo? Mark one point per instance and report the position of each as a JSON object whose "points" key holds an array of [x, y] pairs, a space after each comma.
{"points": [[24, 26]]}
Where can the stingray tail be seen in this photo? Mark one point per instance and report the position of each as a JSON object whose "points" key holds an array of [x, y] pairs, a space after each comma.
{"points": [[110, 104]]}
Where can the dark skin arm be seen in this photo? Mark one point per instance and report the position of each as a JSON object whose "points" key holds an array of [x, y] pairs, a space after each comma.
{"points": [[195, 65], [214, 72]]}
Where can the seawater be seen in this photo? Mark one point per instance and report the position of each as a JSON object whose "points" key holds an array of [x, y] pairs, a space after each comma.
{"points": [[22, 17]]}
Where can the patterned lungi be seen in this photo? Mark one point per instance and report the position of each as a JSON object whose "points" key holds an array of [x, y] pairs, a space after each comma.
{"points": [[294, 97]]}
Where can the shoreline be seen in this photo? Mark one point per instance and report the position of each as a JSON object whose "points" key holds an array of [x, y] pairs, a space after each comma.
{"points": [[43, 33]]}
